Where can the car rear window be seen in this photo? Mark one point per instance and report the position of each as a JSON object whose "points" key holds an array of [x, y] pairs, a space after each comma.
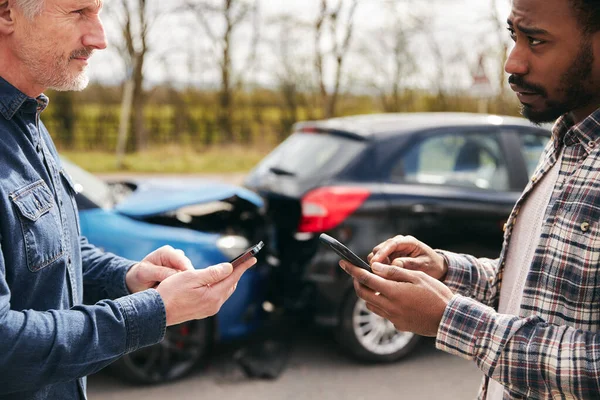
{"points": [[306, 155]]}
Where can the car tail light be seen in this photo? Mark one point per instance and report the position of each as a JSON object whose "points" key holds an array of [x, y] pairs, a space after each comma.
{"points": [[325, 208]]}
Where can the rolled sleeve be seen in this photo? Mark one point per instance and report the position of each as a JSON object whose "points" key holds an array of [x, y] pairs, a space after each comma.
{"points": [[145, 318]]}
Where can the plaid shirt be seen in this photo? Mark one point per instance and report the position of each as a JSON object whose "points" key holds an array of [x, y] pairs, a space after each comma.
{"points": [[552, 348]]}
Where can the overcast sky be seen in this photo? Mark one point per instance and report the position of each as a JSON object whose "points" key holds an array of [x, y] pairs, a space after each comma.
{"points": [[177, 44]]}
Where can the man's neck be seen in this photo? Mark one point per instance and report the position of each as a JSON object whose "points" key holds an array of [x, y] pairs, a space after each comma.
{"points": [[582, 113], [17, 75]]}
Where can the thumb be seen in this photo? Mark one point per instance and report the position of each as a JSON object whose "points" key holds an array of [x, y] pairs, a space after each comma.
{"points": [[392, 272], [213, 274], [411, 263]]}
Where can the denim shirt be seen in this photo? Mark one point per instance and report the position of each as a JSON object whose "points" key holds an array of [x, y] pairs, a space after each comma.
{"points": [[50, 340]]}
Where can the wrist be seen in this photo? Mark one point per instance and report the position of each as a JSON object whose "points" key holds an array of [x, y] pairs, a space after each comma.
{"points": [[444, 262], [130, 279]]}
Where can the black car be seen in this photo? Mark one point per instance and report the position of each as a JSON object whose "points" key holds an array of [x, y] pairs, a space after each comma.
{"points": [[449, 179]]}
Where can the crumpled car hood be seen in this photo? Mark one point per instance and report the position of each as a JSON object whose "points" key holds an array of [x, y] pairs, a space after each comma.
{"points": [[157, 197]]}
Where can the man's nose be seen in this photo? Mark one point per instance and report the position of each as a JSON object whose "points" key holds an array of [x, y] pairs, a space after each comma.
{"points": [[516, 63], [95, 37]]}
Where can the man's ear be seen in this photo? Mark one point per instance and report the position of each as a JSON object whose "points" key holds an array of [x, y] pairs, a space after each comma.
{"points": [[7, 13]]}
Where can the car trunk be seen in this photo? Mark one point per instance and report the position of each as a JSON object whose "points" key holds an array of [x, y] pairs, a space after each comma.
{"points": [[305, 161]]}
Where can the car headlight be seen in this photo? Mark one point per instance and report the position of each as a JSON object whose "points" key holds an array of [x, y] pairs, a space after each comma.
{"points": [[232, 246]]}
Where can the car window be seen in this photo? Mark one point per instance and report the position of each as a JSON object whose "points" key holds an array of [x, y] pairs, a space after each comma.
{"points": [[532, 146], [310, 155], [469, 160]]}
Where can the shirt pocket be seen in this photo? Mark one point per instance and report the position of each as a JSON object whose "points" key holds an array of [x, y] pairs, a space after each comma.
{"points": [[575, 249], [71, 192], [40, 222]]}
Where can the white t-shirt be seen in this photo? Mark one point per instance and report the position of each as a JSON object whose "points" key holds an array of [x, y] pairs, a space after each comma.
{"points": [[525, 239]]}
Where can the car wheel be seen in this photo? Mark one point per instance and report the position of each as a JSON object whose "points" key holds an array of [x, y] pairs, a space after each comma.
{"points": [[183, 347], [370, 338]]}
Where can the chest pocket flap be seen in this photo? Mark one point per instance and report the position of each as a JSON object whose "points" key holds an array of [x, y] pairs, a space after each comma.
{"points": [[34, 200], [40, 221]]}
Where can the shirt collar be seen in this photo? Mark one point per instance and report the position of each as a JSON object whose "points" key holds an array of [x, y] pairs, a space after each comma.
{"points": [[12, 99], [586, 132]]}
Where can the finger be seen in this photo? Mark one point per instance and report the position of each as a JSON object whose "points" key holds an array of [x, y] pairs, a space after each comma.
{"points": [[238, 272], [212, 275], [176, 259], [393, 273], [415, 264], [398, 247], [377, 310], [372, 281], [387, 248], [370, 258], [370, 296], [155, 273]]}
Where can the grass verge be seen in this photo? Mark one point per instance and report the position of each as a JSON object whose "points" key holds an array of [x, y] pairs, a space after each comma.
{"points": [[173, 159]]}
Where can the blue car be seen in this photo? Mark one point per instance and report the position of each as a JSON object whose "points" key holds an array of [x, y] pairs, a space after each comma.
{"points": [[211, 222]]}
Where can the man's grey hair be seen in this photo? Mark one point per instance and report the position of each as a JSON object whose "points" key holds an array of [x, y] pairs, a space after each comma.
{"points": [[31, 8]]}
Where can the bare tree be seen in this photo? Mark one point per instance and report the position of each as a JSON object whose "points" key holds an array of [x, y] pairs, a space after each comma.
{"points": [[340, 36], [292, 71], [220, 19], [501, 53], [135, 21], [387, 53]]}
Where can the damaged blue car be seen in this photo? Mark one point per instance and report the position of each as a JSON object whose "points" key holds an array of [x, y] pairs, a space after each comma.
{"points": [[211, 222]]}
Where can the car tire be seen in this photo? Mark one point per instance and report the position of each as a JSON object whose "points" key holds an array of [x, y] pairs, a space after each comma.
{"points": [[182, 349], [369, 338]]}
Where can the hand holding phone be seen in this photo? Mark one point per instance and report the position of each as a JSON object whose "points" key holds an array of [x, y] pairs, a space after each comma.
{"points": [[344, 252], [246, 255]]}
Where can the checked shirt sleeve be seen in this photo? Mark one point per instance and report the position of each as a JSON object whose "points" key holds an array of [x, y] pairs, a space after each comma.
{"points": [[527, 355], [472, 277]]}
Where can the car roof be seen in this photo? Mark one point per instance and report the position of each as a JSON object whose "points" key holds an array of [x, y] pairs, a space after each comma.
{"points": [[370, 125]]}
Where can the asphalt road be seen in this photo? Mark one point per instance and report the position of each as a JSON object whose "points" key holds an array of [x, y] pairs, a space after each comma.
{"points": [[316, 369]]}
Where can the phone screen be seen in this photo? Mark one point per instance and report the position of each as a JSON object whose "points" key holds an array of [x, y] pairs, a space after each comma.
{"points": [[344, 252]]}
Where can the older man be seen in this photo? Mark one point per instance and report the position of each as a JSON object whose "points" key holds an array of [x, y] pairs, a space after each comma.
{"points": [[49, 341], [531, 319]]}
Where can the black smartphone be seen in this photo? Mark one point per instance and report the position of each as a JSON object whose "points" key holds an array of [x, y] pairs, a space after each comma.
{"points": [[344, 252], [251, 252]]}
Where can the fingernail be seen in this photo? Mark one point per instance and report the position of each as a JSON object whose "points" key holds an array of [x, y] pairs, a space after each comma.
{"points": [[341, 263], [377, 267]]}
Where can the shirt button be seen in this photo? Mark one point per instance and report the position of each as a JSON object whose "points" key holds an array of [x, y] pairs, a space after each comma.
{"points": [[39, 148], [592, 144], [504, 227], [533, 178], [585, 226]]}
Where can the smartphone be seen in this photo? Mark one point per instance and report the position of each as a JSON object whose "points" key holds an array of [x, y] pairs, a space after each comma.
{"points": [[344, 252], [251, 252]]}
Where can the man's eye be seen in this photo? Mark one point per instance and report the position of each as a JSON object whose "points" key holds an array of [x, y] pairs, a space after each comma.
{"points": [[534, 42], [79, 11], [511, 32]]}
